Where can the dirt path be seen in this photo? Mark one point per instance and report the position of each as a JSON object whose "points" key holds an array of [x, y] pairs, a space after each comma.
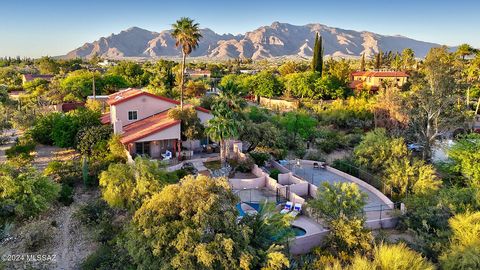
{"points": [[73, 243], [45, 153]]}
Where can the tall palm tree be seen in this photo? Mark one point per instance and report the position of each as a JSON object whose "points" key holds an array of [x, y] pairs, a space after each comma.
{"points": [[187, 34], [221, 129]]}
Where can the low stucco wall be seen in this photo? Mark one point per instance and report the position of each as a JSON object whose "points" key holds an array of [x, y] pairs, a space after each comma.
{"points": [[279, 167], [304, 244], [301, 189]]}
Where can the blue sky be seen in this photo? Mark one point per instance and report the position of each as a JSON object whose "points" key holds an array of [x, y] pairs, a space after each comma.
{"points": [[53, 27]]}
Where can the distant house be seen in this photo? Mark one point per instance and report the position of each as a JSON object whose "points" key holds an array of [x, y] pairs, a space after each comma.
{"points": [[141, 119], [197, 73], [249, 71], [30, 77], [374, 79]]}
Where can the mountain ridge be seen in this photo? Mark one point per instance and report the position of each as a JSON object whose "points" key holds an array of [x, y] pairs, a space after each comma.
{"points": [[276, 40]]}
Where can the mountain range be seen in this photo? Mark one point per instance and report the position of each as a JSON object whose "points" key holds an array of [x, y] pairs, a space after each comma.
{"points": [[276, 40]]}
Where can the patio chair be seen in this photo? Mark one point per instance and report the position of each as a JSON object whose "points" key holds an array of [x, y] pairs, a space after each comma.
{"points": [[287, 208], [167, 155], [316, 166], [296, 210]]}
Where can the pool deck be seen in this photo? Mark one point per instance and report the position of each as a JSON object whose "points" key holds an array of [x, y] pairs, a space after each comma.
{"points": [[309, 225], [319, 176]]}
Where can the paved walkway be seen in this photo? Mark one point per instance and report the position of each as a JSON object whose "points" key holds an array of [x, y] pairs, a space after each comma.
{"points": [[309, 225]]}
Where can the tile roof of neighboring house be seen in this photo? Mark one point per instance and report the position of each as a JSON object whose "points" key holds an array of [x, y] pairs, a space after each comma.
{"points": [[147, 126], [355, 84], [105, 118], [130, 93], [380, 73], [31, 77]]}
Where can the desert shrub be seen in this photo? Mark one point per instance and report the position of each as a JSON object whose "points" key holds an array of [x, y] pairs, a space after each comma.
{"points": [[328, 140], [315, 155], [65, 172], [260, 158], [42, 130], [21, 150], [38, 235], [274, 174], [66, 194], [94, 212], [24, 191], [242, 165]]}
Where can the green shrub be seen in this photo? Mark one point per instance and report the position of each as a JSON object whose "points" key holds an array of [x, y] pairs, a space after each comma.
{"points": [[38, 236], [66, 194], [94, 212], [43, 127], [65, 172], [260, 158], [21, 150], [274, 174]]}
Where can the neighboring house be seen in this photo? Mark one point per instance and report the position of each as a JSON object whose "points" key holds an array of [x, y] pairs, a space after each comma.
{"points": [[30, 77], [248, 71], [374, 79], [141, 119], [197, 73]]}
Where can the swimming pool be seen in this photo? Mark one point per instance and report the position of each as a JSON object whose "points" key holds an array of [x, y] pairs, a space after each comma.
{"points": [[298, 231], [241, 213]]}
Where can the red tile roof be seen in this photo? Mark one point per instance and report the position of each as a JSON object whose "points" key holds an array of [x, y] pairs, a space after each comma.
{"points": [[130, 93], [31, 77], [105, 118], [148, 126], [380, 73]]}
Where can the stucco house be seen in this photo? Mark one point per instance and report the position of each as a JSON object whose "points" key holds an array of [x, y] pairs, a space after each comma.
{"points": [[141, 119], [374, 79]]}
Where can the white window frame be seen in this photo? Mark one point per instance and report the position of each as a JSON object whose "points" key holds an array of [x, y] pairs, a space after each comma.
{"points": [[136, 114]]}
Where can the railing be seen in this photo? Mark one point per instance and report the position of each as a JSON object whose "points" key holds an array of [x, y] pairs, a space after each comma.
{"points": [[369, 178]]}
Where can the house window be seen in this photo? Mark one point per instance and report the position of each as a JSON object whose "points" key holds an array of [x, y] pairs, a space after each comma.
{"points": [[142, 148], [132, 115]]}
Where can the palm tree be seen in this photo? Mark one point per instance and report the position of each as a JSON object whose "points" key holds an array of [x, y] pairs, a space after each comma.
{"points": [[221, 129], [465, 50], [187, 34]]}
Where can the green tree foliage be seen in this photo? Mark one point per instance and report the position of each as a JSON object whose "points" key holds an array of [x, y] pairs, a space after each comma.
{"points": [[433, 107], [298, 125], [77, 85], [338, 200], [24, 192], [10, 77], [341, 206], [464, 251], [377, 150], [162, 78], [302, 84], [132, 72], [126, 186], [47, 65], [89, 139], [191, 127], [266, 84], [465, 50], [465, 154], [264, 135], [362, 62], [61, 129], [193, 225], [398, 257], [317, 60], [408, 59]]}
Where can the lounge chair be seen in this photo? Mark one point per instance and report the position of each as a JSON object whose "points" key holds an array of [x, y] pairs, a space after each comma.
{"points": [[296, 210], [167, 155], [287, 208], [315, 165]]}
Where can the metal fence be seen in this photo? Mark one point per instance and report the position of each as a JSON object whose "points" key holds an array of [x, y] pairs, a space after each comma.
{"points": [[364, 175]]}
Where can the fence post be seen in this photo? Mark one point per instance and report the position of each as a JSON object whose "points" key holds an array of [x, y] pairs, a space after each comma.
{"points": [[381, 209]]}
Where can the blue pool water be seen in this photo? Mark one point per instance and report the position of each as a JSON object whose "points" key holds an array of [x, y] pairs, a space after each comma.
{"points": [[241, 213], [298, 231]]}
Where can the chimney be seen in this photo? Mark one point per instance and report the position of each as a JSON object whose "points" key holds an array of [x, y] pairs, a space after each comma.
{"points": [[117, 127]]}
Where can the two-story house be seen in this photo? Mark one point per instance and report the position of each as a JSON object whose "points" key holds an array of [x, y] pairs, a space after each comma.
{"points": [[141, 119]]}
